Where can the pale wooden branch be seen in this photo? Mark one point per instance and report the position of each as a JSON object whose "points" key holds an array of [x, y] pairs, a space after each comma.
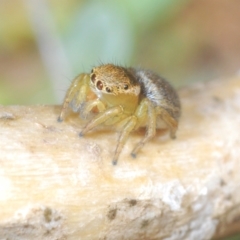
{"points": [[55, 185]]}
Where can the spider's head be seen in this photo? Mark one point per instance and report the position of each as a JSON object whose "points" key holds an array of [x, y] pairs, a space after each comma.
{"points": [[113, 80]]}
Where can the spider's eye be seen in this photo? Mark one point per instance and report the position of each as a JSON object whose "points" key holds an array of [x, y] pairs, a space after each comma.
{"points": [[93, 77], [125, 87], [99, 85], [108, 89]]}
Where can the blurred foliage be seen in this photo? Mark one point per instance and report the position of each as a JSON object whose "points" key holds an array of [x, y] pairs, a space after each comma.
{"points": [[90, 32], [44, 44], [237, 237]]}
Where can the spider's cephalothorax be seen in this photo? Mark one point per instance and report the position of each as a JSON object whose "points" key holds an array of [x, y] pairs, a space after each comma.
{"points": [[127, 97]]}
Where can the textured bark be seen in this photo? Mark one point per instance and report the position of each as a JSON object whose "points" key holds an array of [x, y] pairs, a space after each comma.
{"points": [[55, 185]]}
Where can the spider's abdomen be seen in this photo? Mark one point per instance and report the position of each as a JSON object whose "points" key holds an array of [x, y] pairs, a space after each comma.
{"points": [[158, 91]]}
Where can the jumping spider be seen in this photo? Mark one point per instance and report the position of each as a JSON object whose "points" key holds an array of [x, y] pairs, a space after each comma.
{"points": [[125, 97]]}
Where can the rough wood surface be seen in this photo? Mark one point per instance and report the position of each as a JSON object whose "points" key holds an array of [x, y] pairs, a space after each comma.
{"points": [[55, 185]]}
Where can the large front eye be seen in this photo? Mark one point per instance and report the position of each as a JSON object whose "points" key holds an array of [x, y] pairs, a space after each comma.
{"points": [[93, 77], [99, 85], [125, 87]]}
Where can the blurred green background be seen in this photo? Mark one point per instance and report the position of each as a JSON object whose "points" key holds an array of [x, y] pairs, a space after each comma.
{"points": [[45, 43]]}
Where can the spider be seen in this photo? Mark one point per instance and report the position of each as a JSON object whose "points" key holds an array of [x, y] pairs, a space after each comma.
{"points": [[128, 98]]}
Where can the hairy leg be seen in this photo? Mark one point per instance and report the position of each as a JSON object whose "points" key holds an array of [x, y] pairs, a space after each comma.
{"points": [[101, 118], [144, 110], [128, 127], [170, 121], [151, 125], [88, 107], [75, 95]]}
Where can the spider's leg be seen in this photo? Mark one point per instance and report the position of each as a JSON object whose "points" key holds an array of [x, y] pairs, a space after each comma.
{"points": [[89, 105], [101, 118], [170, 121], [75, 95], [128, 127], [148, 110]]}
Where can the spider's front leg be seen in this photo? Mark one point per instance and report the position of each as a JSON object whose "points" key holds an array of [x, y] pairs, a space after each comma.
{"points": [[76, 94], [142, 112], [101, 118], [90, 105]]}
